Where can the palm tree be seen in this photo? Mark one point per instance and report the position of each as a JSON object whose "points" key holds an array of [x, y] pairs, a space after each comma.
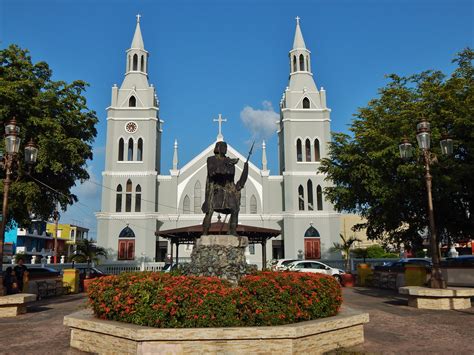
{"points": [[87, 251], [345, 248]]}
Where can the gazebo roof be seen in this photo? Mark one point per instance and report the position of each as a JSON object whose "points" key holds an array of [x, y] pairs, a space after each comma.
{"points": [[187, 235]]}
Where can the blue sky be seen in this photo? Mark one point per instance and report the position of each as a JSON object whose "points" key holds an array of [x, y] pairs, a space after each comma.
{"points": [[231, 57]]}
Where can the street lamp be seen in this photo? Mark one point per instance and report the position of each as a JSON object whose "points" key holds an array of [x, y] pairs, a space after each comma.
{"points": [[8, 162], [423, 137]]}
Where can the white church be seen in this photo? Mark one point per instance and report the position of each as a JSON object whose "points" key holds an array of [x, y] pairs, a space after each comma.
{"points": [[139, 201]]}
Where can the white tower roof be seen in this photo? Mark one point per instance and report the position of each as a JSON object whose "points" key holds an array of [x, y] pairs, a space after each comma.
{"points": [[137, 42], [298, 42]]}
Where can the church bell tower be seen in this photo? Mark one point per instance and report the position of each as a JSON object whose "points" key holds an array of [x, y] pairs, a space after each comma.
{"points": [[132, 160], [304, 134]]}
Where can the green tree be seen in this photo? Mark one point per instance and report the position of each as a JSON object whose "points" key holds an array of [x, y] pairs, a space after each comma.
{"points": [[87, 251], [370, 178], [56, 116], [345, 248]]}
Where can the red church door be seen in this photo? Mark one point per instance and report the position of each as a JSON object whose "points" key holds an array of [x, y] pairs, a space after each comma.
{"points": [[312, 248]]}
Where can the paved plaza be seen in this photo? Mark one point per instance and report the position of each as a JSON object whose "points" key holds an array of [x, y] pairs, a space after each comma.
{"points": [[394, 328]]}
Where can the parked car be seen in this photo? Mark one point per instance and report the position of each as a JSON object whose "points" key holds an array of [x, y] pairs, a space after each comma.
{"points": [[464, 261], [316, 267], [39, 273], [399, 265], [281, 264]]}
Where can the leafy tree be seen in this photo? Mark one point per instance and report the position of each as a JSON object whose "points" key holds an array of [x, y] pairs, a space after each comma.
{"points": [[345, 248], [56, 116], [370, 178], [87, 251]]}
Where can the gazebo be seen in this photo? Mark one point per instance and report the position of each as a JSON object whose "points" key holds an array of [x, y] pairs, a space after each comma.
{"points": [[188, 235]]}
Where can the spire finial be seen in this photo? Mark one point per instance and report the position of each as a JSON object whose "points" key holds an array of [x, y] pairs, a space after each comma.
{"points": [[175, 155], [297, 18], [264, 156], [138, 18]]}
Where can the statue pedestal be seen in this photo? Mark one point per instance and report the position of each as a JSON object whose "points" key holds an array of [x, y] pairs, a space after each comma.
{"points": [[219, 255]]}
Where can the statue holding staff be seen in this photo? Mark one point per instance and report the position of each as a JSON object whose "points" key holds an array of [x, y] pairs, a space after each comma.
{"points": [[222, 193]]}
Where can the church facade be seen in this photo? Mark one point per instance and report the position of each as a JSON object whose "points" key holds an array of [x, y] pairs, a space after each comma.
{"points": [[139, 200]]}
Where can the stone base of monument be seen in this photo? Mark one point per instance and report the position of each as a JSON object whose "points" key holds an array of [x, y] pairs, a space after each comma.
{"points": [[439, 299], [219, 255], [311, 337]]}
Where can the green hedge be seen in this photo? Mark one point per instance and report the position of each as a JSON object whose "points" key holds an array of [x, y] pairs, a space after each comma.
{"points": [[167, 301]]}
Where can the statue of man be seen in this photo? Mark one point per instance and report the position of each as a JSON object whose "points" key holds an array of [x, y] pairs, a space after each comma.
{"points": [[222, 193]]}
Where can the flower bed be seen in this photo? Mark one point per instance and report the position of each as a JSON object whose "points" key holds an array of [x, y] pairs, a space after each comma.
{"points": [[167, 301]]}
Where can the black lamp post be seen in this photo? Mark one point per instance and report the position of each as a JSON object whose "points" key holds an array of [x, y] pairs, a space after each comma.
{"points": [[8, 163], [423, 137]]}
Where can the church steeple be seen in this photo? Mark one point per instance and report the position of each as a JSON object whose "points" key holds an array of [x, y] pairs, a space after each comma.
{"points": [[137, 42], [298, 42], [300, 60], [137, 56]]}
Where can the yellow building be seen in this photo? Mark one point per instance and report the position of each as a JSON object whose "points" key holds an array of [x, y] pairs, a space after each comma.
{"points": [[70, 233], [350, 220]]}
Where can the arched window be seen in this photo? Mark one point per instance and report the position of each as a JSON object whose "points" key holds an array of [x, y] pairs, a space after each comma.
{"points": [[197, 198], [128, 196], [187, 205], [294, 64], [132, 101], [140, 149], [301, 198], [319, 197], [243, 201], [135, 62], [310, 196], [118, 199], [305, 102], [307, 63], [130, 149], [138, 199], [142, 64], [120, 149], [307, 149], [299, 153], [301, 62], [253, 205], [317, 156]]}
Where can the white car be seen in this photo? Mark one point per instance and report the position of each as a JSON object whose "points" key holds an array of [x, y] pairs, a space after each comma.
{"points": [[281, 264], [315, 266]]}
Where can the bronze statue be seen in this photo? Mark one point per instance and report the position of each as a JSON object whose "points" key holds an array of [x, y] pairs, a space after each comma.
{"points": [[222, 193]]}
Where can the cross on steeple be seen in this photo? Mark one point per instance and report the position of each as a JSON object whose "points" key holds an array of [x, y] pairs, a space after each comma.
{"points": [[138, 18], [297, 20], [220, 137]]}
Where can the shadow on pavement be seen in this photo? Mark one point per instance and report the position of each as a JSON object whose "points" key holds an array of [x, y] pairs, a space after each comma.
{"points": [[37, 309]]}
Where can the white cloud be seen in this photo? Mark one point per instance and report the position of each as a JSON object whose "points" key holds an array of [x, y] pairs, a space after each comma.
{"points": [[261, 123]]}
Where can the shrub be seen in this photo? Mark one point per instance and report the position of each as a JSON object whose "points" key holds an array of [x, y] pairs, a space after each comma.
{"points": [[168, 301]]}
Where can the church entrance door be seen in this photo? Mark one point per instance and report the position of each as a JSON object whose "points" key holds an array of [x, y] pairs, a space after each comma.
{"points": [[312, 248]]}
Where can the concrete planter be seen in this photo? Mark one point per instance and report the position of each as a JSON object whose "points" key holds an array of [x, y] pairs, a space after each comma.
{"points": [[438, 299], [313, 337]]}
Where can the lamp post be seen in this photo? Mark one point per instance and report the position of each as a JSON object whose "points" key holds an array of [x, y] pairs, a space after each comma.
{"points": [[8, 162], [423, 137]]}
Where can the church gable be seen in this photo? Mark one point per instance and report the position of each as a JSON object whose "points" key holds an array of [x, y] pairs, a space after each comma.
{"points": [[195, 172]]}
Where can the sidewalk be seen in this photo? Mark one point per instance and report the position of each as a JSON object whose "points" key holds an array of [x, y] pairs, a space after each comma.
{"points": [[395, 328], [41, 330]]}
